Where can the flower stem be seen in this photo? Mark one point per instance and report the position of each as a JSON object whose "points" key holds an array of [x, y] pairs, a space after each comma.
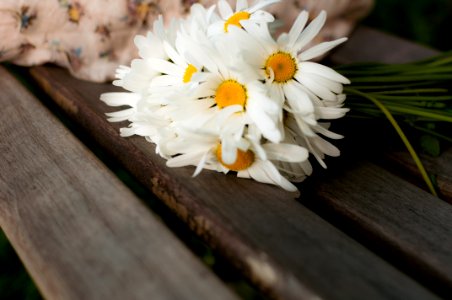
{"points": [[402, 135]]}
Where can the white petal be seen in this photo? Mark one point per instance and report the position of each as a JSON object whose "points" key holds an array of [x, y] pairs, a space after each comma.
{"points": [[261, 17], [326, 147], [316, 88], [261, 4], [329, 113], [189, 159], [228, 150], [304, 127], [331, 85], [320, 49], [245, 38], [266, 124], [298, 100], [201, 164], [265, 171], [262, 32], [225, 9], [322, 130], [164, 80], [256, 146], [120, 98], [243, 174], [297, 28], [286, 152], [216, 28], [165, 67], [321, 70], [173, 55], [241, 5], [217, 121], [122, 115], [202, 56], [311, 31], [258, 173]]}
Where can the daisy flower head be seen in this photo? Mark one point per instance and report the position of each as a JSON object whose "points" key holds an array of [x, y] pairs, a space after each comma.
{"points": [[229, 17], [308, 91], [236, 95], [285, 64], [177, 71], [252, 160]]}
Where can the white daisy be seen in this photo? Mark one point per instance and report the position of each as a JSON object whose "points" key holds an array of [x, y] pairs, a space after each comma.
{"points": [[253, 160], [225, 87], [309, 91], [138, 77], [285, 66], [242, 12], [176, 72]]}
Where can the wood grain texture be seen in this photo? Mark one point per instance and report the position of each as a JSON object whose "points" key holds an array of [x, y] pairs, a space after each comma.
{"points": [[408, 226], [279, 244], [440, 167], [80, 232]]}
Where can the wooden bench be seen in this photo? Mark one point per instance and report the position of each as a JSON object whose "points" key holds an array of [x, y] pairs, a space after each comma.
{"points": [[358, 231]]}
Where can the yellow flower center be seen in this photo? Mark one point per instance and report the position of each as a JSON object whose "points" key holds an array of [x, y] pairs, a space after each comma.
{"points": [[244, 160], [235, 19], [142, 10], [74, 13], [230, 92], [283, 65], [189, 71]]}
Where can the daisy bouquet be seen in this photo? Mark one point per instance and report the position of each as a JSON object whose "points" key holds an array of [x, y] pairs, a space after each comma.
{"points": [[217, 91]]}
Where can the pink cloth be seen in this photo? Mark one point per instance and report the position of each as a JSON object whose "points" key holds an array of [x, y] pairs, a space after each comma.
{"points": [[91, 38]]}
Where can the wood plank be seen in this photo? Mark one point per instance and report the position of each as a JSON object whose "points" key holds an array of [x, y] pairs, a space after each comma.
{"points": [[415, 234], [407, 226], [440, 167], [80, 232], [284, 248]]}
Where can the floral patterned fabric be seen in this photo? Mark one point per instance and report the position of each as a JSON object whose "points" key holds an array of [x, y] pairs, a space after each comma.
{"points": [[91, 38]]}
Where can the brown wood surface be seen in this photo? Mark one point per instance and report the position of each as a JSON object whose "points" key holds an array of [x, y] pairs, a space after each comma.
{"points": [[440, 167], [80, 232], [280, 244]]}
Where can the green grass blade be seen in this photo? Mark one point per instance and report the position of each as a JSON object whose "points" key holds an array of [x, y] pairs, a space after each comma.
{"points": [[403, 137]]}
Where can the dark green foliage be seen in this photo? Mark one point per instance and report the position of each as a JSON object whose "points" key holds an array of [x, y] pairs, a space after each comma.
{"points": [[426, 21], [15, 283], [430, 145]]}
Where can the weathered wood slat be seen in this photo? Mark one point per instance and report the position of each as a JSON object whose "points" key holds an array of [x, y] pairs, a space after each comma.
{"points": [[406, 225], [278, 243], [80, 232], [440, 167]]}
